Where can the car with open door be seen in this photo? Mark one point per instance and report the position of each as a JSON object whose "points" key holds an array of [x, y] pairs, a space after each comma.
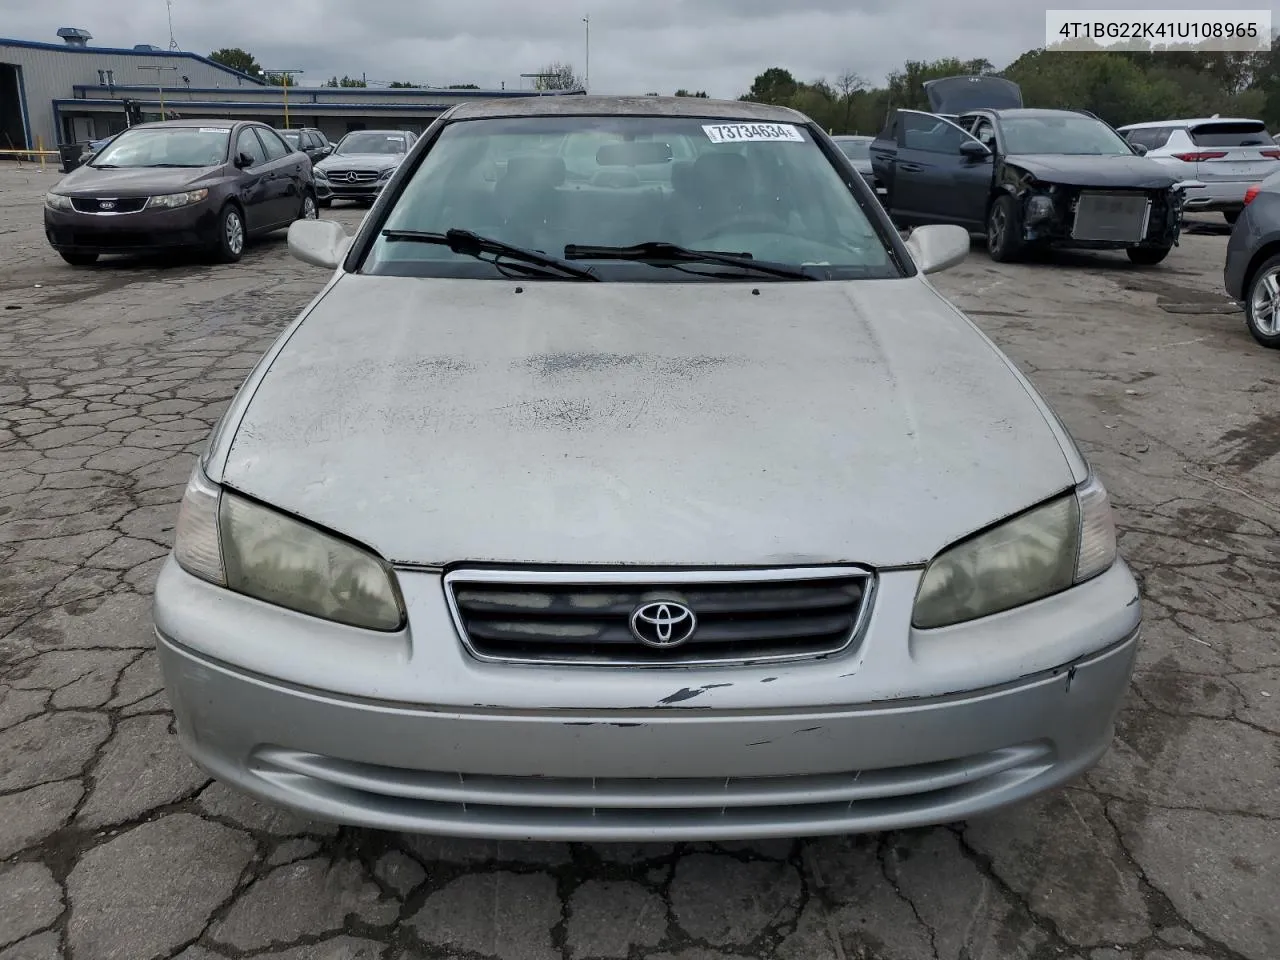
{"points": [[1026, 178]]}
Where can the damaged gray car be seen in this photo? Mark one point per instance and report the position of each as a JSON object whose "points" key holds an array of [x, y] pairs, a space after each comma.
{"points": [[1026, 178], [600, 507]]}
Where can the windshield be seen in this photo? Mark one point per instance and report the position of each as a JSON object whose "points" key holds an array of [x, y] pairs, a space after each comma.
{"points": [[855, 149], [371, 143], [1066, 134], [290, 137], [547, 183], [166, 147]]}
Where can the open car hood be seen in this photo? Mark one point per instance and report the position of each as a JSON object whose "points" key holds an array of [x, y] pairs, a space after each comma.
{"points": [[957, 95]]}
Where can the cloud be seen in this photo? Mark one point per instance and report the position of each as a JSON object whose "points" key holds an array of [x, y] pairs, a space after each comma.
{"points": [[659, 45]]}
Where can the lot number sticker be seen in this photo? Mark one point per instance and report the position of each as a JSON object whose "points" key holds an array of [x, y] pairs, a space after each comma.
{"points": [[749, 132]]}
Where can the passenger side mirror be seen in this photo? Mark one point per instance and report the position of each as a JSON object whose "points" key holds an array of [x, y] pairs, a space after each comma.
{"points": [[1139, 149], [321, 243], [243, 160], [934, 248], [973, 151]]}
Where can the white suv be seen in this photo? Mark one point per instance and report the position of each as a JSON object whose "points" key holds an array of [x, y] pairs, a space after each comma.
{"points": [[1223, 155]]}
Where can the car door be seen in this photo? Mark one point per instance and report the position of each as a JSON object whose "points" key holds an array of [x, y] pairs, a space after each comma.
{"points": [[251, 158], [934, 181], [285, 177]]}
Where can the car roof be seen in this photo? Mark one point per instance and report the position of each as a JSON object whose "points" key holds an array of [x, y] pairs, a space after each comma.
{"points": [[588, 106], [852, 136], [1032, 113], [220, 124], [1146, 125]]}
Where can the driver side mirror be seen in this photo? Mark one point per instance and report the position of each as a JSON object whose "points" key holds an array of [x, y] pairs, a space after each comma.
{"points": [[974, 150], [321, 243], [1139, 149], [243, 160]]}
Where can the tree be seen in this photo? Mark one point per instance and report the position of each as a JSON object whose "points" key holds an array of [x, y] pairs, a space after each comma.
{"points": [[682, 92], [279, 79], [848, 84], [557, 76], [345, 81], [463, 86], [775, 85], [237, 59], [402, 85]]}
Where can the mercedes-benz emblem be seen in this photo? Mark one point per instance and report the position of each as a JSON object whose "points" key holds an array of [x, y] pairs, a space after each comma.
{"points": [[663, 623], [351, 177]]}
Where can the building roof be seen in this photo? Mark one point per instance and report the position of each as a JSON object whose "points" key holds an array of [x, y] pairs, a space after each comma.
{"points": [[627, 106], [126, 52]]}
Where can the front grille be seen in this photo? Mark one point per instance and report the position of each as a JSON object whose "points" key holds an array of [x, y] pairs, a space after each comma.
{"points": [[344, 176], [112, 204], [581, 618]]}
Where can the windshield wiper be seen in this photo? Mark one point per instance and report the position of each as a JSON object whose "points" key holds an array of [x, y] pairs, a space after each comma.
{"points": [[464, 241], [656, 251]]}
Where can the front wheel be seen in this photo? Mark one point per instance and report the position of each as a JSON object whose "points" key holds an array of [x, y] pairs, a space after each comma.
{"points": [[78, 259], [309, 210], [1262, 304], [1147, 256], [1004, 230], [229, 247]]}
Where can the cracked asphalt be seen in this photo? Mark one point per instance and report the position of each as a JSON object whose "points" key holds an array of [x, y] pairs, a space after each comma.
{"points": [[114, 847]]}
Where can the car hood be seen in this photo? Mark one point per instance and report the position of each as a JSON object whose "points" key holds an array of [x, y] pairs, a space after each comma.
{"points": [[1093, 171], [133, 182], [440, 421], [957, 95], [367, 161]]}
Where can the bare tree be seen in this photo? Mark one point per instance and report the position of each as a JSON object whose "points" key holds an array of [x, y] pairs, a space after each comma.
{"points": [[847, 84], [558, 76]]}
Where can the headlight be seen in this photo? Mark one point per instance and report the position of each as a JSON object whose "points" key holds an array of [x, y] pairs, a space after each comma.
{"points": [[171, 201], [253, 550], [386, 174], [1039, 208], [1039, 553], [56, 201], [320, 174]]}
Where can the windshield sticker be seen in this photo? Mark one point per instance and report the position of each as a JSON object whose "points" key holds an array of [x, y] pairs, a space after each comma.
{"points": [[213, 130], [751, 132]]}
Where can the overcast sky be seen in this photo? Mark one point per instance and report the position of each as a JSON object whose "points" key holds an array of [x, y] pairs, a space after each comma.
{"points": [[636, 45]]}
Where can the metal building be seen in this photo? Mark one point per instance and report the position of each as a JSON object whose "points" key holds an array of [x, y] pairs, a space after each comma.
{"points": [[53, 94]]}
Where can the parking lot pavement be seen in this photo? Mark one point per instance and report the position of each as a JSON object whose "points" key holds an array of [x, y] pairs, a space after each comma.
{"points": [[113, 847]]}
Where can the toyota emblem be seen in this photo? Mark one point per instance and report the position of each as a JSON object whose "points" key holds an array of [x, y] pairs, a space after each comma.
{"points": [[663, 623]]}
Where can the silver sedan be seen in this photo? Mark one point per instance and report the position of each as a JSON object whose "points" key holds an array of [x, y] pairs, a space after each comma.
{"points": [[580, 506]]}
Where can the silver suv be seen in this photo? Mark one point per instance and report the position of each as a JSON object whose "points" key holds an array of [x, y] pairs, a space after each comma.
{"points": [[1225, 156]]}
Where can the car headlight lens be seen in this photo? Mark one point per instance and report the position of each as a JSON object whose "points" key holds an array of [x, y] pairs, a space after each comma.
{"points": [[320, 174], [1039, 553], [57, 201], [171, 201], [250, 549], [386, 174]]}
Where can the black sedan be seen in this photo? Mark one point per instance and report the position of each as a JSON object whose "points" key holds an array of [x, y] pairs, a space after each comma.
{"points": [[206, 184], [1252, 271], [1028, 179]]}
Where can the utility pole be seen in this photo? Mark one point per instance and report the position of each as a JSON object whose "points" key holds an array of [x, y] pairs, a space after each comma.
{"points": [[285, 76], [159, 83], [586, 80]]}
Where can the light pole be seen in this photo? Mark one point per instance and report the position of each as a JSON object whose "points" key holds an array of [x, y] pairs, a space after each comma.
{"points": [[159, 84], [284, 76], [586, 80]]}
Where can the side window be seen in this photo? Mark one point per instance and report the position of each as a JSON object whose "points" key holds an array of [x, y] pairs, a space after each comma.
{"points": [[985, 133], [275, 147], [248, 143], [923, 131], [313, 142]]}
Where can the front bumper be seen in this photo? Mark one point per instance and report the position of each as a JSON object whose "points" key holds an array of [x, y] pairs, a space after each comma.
{"points": [[149, 231], [496, 750], [339, 190], [1162, 228]]}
